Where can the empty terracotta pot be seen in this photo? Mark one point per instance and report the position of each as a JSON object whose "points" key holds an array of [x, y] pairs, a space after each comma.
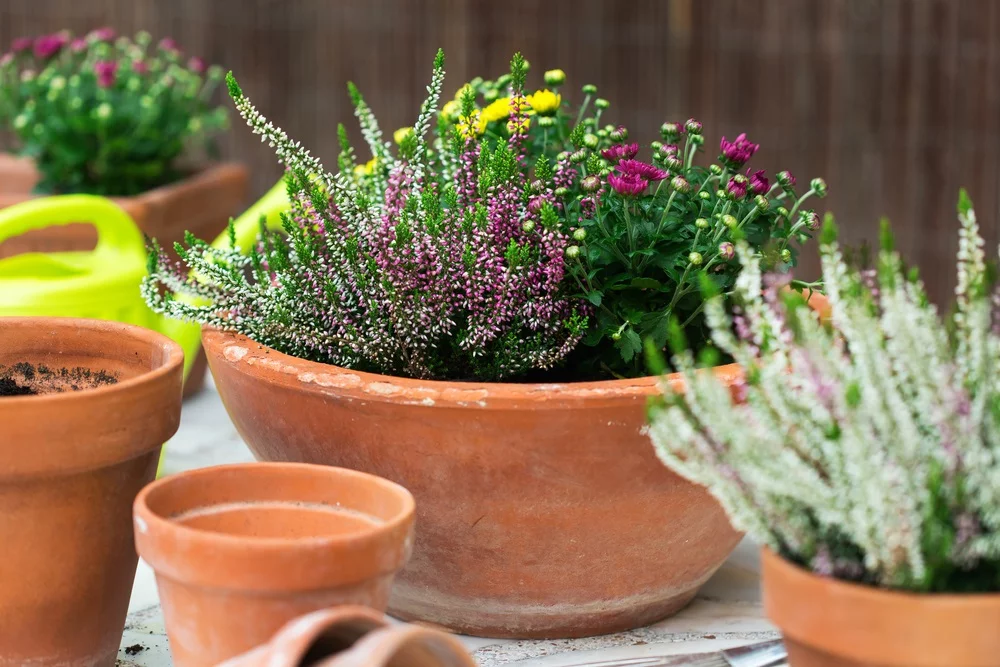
{"points": [[831, 623], [543, 510], [84, 409], [352, 637], [240, 550]]}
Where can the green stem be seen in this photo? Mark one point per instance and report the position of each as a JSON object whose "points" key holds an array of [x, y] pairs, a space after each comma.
{"points": [[583, 109], [798, 203], [628, 230]]}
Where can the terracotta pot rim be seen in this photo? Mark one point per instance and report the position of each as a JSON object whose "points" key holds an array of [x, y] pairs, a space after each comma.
{"points": [[873, 594], [155, 522], [174, 357], [271, 364]]}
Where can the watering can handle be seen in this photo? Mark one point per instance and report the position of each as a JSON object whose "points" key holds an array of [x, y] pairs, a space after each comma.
{"points": [[116, 231]]}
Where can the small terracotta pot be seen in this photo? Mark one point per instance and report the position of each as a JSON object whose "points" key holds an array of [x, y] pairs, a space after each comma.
{"points": [[71, 464], [240, 550], [201, 203], [354, 636], [831, 623]]}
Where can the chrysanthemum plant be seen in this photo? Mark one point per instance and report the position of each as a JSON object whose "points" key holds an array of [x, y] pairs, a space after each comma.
{"points": [[416, 263], [646, 232], [106, 115], [866, 448]]}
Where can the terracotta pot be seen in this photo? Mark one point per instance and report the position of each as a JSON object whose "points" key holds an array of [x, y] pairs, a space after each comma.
{"points": [[543, 510], [201, 204], [354, 636], [830, 623], [71, 464], [240, 550]]}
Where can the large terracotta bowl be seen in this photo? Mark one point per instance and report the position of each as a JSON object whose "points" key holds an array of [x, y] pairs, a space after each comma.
{"points": [[542, 510]]}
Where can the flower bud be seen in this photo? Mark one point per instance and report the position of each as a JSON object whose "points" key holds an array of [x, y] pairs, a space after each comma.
{"points": [[680, 184], [619, 134], [818, 186], [561, 192], [810, 219], [760, 201], [491, 95], [781, 211], [704, 195], [715, 169], [673, 164], [616, 336], [590, 140], [670, 132], [535, 205], [729, 221], [579, 234], [786, 255], [722, 194], [590, 184], [555, 77], [537, 185], [727, 250], [103, 111], [602, 134], [609, 128], [528, 225], [589, 89], [656, 146], [578, 156], [590, 122], [601, 103], [697, 139], [701, 223], [785, 179], [572, 251], [695, 258], [692, 126], [546, 121], [564, 155]]}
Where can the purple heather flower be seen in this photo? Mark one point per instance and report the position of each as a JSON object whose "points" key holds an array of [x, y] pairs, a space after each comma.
{"points": [[105, 71], [644, 170], [727, 250], [628, 185], [620, 152], [737, 187], [738, 152], [105, 34], [78, 45], [758, 182], [196, 65], [47, 46], [21, 44]]}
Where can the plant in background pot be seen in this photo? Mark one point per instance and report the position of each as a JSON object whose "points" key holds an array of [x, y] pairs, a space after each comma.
{"points": [[395, 324], [241, 550], [84, 408], [864, 458], [114, 116]]}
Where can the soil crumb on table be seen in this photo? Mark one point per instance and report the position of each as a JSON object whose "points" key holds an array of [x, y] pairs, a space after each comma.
{"points": [[26, 379], [134, 649]]}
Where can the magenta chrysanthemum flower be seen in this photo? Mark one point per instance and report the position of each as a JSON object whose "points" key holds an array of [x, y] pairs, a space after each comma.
{"points": [[49, 45], [78, 45], [105, 71], [643, 170], [140, 67], [168, 44], [628, 185], [737, 187], [196, 65], [758, 182], [21, 44], [620, 152], [102, 34], [738, 152]]}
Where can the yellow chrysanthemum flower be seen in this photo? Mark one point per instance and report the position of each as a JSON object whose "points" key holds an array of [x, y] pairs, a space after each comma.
{"points": [[366, 169], [451, 109], [471, 126], [497, 110], [545, 102], [402, 133]]}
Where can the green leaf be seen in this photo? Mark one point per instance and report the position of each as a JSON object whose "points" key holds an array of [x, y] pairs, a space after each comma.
{"points": [[595, 297], [964, 202], [645, 283], [629, 345]]}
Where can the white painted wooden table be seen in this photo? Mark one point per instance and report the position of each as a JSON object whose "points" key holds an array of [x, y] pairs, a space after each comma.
{"points": [[726, 613]]}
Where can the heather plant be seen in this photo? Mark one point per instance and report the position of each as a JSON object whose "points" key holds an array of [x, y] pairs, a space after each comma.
{"points": [[106, 115], [419, 262], [645, 233], [866, 448]]}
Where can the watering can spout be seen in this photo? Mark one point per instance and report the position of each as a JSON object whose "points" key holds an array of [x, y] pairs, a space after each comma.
{"points": [[247, 225]]}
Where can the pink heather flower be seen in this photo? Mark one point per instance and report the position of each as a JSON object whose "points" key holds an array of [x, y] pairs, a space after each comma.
{"points": [[758, 182], [737, 187], [140, 67], [102, 34], [105, 71], [196, 65], [21, 44], [738, 152], [78, 45], [727, 250], [49, 45], [628, 185], [620, 152], [643, 170]]}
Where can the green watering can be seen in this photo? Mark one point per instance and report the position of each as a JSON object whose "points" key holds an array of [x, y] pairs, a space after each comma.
{"points": [[103, 283]]}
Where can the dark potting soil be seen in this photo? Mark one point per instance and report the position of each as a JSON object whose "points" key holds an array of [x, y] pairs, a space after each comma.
{"points": [[134, 649], [25, 379]]}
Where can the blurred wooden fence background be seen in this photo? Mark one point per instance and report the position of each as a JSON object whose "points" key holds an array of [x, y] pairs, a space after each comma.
{"points": [[895, 102]]}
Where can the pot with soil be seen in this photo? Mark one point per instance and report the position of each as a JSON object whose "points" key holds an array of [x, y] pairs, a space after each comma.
{"points": [[347, 636], [240, 550], [84, 407], [526, 493]]}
